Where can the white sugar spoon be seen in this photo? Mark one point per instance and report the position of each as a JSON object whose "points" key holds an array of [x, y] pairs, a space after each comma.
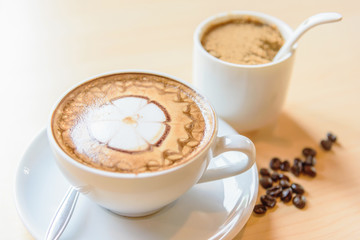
{"points": [[312, 21]]}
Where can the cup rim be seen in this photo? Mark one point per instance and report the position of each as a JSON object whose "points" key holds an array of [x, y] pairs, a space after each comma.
{"points": [[105, 173], [282, 26]]}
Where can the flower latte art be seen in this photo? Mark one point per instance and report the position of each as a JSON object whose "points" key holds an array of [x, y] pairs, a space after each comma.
{"points": [[132, 123]]}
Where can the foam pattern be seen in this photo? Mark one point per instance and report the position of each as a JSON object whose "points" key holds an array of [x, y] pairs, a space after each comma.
{"points": [[132, 123]]}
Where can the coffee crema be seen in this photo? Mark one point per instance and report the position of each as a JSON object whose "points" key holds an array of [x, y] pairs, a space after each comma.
{"points": [[243, 40], [132, 123]]}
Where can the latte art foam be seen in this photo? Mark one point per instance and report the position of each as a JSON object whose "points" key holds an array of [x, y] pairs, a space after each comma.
{"points": [[127, 124], [132, 123]]}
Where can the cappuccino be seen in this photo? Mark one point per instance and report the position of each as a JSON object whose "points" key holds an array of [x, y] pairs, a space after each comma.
{"points": [[132, 123]]}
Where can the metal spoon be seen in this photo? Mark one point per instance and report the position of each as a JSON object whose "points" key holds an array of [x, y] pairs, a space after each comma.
{"points": [[63, 215], [312, 21]]}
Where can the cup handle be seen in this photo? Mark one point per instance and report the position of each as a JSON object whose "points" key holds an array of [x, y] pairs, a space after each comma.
{"points": [[228, 143]]}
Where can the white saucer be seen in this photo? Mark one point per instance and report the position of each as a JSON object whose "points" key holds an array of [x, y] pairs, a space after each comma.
{"points": [[213, 210]]}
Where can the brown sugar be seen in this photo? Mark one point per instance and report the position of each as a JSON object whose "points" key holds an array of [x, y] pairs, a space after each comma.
{"points": [[244, 40]]}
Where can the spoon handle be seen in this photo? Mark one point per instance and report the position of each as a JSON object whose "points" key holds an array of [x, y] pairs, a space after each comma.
{"points": [[311, 22], [63, 215]]}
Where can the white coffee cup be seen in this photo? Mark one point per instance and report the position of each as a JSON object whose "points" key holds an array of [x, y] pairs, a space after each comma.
{"points": [[140, 194], [248, 97]]}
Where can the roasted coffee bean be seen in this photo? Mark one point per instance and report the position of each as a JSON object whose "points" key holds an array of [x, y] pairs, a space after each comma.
{"points": [[266, 182], [308, 152], [265, 172], [286, 195], [275, 163], [285, 166], [299, 201], [309, 170], [284, 183], [297, 161], [326, 144], [297, 188], [259, 209], [284, 177], [331, 137], [274, 191], [268, 201], [275, 176], [310, 160], [296, 169]]}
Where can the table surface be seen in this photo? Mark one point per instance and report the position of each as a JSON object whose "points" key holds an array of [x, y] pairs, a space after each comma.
{"points": [[47, 46]]}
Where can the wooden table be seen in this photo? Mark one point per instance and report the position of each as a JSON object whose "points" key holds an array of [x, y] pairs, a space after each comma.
{"points": [[47, 46]]}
